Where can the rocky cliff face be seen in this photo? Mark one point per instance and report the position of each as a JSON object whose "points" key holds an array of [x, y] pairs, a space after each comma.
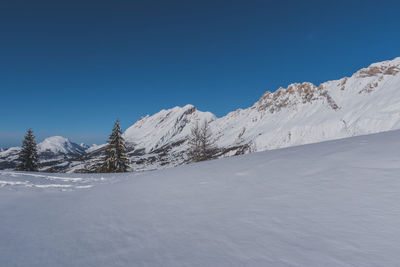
{"points": [[367, 102]]}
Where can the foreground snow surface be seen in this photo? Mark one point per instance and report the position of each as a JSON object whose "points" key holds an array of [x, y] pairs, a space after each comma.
{"points": [[329, 204]]}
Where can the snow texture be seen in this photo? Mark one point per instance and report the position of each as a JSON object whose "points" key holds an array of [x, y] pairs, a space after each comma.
{"points": [[335, 203]]}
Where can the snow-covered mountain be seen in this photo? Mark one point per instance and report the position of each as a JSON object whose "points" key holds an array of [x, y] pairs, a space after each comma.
{"points": [[54, 153], [58, 145], [366, 102], [167, 127]]}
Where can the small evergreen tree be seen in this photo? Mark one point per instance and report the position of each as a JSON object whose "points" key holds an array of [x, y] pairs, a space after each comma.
{"points": [[116, 159], [201, 143], [28, 156]]}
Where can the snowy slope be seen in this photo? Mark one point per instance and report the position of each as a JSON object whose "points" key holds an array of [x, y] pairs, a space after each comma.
{"points": [[335, 203], [95, 147]]}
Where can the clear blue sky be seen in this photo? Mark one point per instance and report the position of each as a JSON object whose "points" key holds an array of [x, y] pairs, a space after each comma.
{"points": [[71, 67]]}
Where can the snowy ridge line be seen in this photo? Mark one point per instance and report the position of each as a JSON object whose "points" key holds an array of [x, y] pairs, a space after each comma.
{"points": [[366, 102]]}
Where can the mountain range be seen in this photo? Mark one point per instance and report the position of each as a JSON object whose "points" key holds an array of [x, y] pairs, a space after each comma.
{"points": [[367, 102]]}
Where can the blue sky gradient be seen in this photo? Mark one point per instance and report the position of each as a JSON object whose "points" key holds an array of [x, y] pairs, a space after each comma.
{"points": [[71, 67]]}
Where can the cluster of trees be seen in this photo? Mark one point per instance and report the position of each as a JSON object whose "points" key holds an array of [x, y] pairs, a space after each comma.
{"points": [[201, 147]]}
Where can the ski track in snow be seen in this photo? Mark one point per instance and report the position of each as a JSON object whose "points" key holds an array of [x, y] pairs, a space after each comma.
{"points": [[41, 180]]}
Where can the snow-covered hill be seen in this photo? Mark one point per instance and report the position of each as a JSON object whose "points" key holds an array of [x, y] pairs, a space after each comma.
{"points": [[367, 102], [335, 203]]}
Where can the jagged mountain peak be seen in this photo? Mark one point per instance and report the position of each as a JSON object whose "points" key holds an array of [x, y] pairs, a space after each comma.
{"points": [[307, 92], [388, 67], [293, 95]]}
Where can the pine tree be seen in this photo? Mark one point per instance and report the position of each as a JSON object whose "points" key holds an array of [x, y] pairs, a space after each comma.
{"points": [[116, 159], [201, 143], [28, 156]]}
